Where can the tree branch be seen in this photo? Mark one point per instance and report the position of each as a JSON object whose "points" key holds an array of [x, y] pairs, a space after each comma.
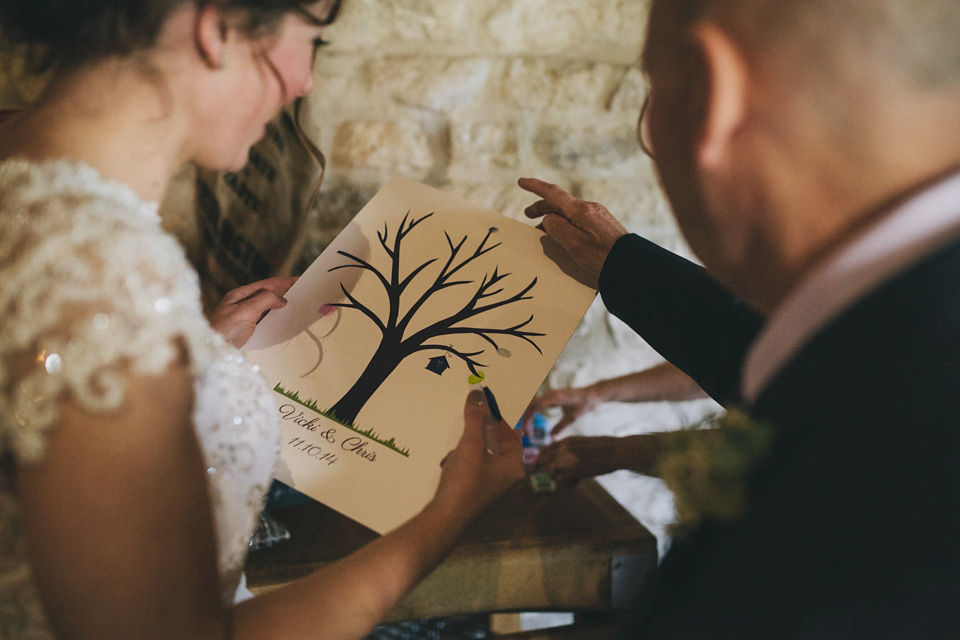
{"points": [[361, 264], [356, 304], [414, 273], [484, 291], [475, 311], [481, 250], [466, 357], [443, 279], [413, 223], [383, 237], [516, 331]]}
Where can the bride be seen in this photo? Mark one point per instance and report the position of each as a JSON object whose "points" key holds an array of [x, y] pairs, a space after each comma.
{"points": [[136, 444]]}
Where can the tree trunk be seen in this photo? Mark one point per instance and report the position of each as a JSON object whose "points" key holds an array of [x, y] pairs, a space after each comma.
{"points": [[381, 365]]}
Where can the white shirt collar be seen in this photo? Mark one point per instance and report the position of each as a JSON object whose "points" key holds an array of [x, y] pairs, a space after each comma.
{"points": [[916, 228]]}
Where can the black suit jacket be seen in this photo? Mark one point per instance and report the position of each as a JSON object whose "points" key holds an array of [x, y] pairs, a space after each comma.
{"points": [[854, 525]]}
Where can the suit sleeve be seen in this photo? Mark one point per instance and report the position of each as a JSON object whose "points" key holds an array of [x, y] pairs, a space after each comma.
{"points": [[684, 314]]}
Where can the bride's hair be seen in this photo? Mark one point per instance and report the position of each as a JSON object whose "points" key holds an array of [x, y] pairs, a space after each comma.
{"points": [[63, 34]]}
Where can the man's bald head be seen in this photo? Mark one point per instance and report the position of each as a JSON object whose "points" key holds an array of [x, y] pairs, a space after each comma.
{"points": [[780, 126], [916, 40]]}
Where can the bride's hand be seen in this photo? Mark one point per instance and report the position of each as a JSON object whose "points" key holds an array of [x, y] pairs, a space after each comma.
{"points": [[477, 471], [238, 313]]}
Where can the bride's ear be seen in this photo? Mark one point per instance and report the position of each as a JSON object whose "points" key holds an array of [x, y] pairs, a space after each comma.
{"points": [[211, 33], [726, 85]]}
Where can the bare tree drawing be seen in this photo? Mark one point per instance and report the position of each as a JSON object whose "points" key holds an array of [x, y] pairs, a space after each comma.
{"points": [[395, 345]]}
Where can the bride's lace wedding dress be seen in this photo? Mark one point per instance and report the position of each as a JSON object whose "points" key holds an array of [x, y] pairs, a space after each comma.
{"points": [[91, 290]]}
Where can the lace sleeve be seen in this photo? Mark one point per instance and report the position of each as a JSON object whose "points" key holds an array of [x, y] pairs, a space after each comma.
{"points": [[92, 290]]}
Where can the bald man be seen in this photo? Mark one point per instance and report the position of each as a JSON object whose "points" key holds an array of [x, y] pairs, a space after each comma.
{"points": [[810, 150]]}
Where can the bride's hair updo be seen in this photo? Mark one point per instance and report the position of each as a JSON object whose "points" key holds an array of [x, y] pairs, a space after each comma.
{"points": [[66, 34]]}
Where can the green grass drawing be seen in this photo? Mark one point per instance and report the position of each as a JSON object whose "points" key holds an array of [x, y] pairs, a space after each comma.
{"points": [[369, 433]]}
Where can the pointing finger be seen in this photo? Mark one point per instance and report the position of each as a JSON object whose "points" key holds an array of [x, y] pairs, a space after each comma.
{"points": [[551, 193]]}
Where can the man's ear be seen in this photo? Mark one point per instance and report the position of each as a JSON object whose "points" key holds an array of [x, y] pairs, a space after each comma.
{"points": [[727, 78], [211, 32]]}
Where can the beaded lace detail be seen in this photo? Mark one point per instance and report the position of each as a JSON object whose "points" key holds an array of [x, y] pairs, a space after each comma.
{"points": [[91, 290]]}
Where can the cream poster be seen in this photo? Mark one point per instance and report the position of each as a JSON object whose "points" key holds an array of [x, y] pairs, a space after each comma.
{"points": [[421, 297]]}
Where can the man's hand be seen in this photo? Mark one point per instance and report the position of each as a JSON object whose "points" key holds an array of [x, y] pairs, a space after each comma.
{"points": [[238, 313], [586, 230]]}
